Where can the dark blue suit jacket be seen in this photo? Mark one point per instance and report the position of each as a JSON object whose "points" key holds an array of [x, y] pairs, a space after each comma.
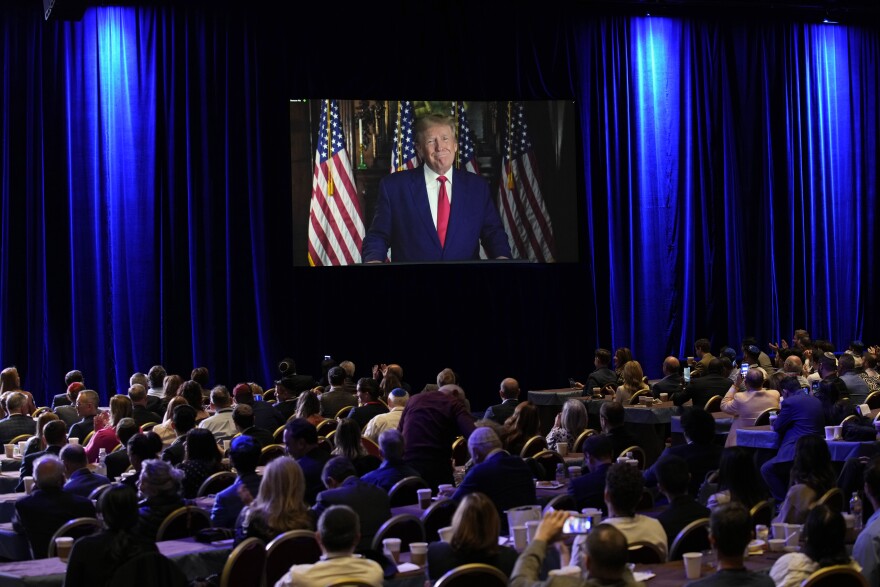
{"points": [[589, 490], [505, 479], [368, 501], [83, 482], [228, 504], [388, 474], [701, 458], [800, 415], [403, 221], [41, 513]]}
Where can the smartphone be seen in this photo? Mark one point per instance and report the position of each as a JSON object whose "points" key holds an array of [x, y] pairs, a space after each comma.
{"points": [[744, 369], [326, 357], [687, 374], [576, 524]]}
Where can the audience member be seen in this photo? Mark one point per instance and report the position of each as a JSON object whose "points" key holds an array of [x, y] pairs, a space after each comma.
{"points": [[338, 534], [86, 408], [503, 478], [602, 376], [569, 424], [588, 490], [397, 402], [633, 382], [192, 393], [279, 506], [66, 399], [294, 382], [301, 440], [203, 459], [369, 405], [68, 412], [730, 531], [18, 421], [824, 537], [673, 479], [38, 515], [286, 398], [345, 488], [182, 421], [672, 382], [35, 443], [170, 390], [611, 419], [160, 487], [141, 447], [474, 539], [393, 467], [117, 461], [347, 441], [746, 405], [703, 357], [308, 406], [866, 550], [523, 425], [105, 432], [699, 391], [336, 398], [54, 438], [243, 418], [738, 480], [266, 417], [80, 479], [156, 376], [244, 455], [138, 396], [509, 393], [220, 424], [699, 450], [622, 356], [10, 381], [430, 424], [856, 387], [165, 429]]}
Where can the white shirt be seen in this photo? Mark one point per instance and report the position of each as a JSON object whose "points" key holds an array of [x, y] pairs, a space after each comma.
{"points": [[638, 528], [434, 189], [328, 569], [382, 422], [220, 424]]}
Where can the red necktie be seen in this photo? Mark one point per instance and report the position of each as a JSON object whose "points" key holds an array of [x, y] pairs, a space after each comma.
{"points": [[442, 211]]}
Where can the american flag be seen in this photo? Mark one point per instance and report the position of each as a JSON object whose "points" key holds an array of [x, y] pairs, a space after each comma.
{"points": [[403, 152], [336, 224], [523, 212], [467, 157]]}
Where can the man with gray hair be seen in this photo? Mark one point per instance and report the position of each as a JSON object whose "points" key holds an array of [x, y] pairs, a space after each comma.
{"points": [[393, 468], [39, 515], [794, 367], [378, 424], [18, 421], [220, 424], [86, 409], [348, 367], [505, 479], [338, 535]]}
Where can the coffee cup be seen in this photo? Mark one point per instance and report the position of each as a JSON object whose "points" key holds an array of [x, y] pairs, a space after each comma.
{"points": [[849, 520], [664, 397], [562, 448], [22, 447], [776, 544], [838, 433], [531, 529], [597, 391], [773, 418], [63, 546], [520, 537], [574, 471], [392, 548], [446, 533], [693, 564], [73, 440], [622, 459], [424, 498], [779, 530], [28, 484], [418, 553], [792, 534], [829, 432], [9, 449]]}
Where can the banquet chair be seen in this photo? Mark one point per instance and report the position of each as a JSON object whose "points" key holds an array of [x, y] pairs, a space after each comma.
{"points": [[183, 522], [563, 502], [76, 528], [216, 483], [22, 438], [460, 454], [246, 565], [149, 569], [692, 538], [148, 426], [548, 460], [371, 447], [295, 547], [405, 491], [278, 435], [873, 400], [836, 576], [343, 413], [636, 397], [270, 453], [582, 437], [438, 515], [833, 498], [763, 418], [473, 574], [713, 404], [646, 553], [407, 527], [98, 491], [324, 427], [533, 446], [638, 454], [762, 512]]}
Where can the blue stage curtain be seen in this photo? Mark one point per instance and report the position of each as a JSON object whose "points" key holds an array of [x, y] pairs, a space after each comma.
{"points": [[731, 180]]}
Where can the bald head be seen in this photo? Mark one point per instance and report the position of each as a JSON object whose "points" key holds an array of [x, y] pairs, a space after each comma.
{"points": [[671, 366], [793, 365], [509, 388], [607, 548], [453, 391], [482, 442], [49, 473]]}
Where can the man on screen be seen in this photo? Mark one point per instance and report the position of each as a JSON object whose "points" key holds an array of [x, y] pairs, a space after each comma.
{"points": [[415, 215]]}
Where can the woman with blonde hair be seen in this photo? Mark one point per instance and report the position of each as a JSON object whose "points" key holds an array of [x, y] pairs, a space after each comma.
{"points": [[474, 540], [308, 406], [170, 385], [633, 382], [569, 424], [10, 381], [279, 506], [105, 432], [165, 430]]}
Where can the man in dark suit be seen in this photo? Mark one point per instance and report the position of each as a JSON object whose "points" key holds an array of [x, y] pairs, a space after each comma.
{"points": [[301, 440], [117, 462], [369, 502], [266, 417], [336, 398], [65, 399], [671, 382], [417, 215], [286, 399], [611, 418], [68, 412], [138, 396], [243, 418], [673, 478], [55, 437], [393, 468], [295, 382], [39, 515], [588, 490], [86, 409], [505, 479], [244, 454], [800, 414], [183, 419], [509, 393], [603, 375], [80, 479], [18, 421], [703, 356], [699, 451], [712, 383]]}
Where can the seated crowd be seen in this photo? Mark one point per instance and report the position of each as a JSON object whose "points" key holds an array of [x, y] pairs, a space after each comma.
{"points": [[166, 437]]}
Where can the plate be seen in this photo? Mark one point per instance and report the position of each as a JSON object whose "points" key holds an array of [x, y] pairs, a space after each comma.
{"points": [[757, 545], [548, 485]]}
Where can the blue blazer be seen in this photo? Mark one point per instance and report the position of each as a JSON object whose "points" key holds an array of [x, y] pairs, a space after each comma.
{"points": [[588, 490], [228, 504], [82, 482], [800, 415], [505, 479], [403, 221]]}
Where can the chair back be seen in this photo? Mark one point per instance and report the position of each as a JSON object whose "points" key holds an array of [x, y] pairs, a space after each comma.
{"points": [[561, 502], [713, 404], [269, 394], [37, 412], [149, 569], [404, 492], [271, 452], [692, 538], [582, 437], [438, 515], [330, 438], [148, 426], [22, 438], [75, 528], [873, 400], [836, 576], [548, 461], [460, 454], [371, 447], [343, 413], [98, 491], [636, 397], [833, 498], [278, 435], [637, 453], [473, 574], [646, 553], [349, 582], [183, 523], [762, 513], [533, 446], [851, 418], [763, 418], [295, 547], [407, 527], [324, 427], [246, 565], [216, 483]]}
